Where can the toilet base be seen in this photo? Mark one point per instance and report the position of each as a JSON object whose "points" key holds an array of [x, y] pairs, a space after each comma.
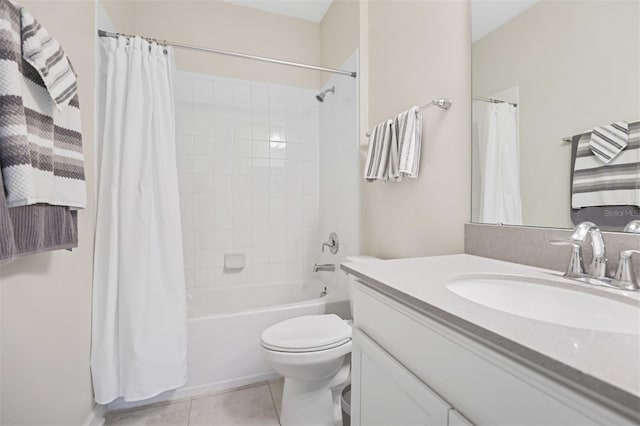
{"points": [[308, 403], [313, 403]]}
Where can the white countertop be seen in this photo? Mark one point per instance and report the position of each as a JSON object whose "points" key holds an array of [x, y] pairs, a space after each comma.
{"points": [[577, 354]]}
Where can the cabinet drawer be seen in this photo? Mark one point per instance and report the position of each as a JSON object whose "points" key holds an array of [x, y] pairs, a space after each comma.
{"points": [[389, 394], [488, 387]]}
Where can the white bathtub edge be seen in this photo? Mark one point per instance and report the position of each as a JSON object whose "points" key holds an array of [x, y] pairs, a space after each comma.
{"points": [[264, 309]]}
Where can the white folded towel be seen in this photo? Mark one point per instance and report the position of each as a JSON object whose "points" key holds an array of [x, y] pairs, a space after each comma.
{"points": [[609, 140], [409, 130], [377, 166]]}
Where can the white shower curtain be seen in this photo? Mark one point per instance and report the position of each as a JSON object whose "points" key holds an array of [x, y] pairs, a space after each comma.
{"points": [[498, 153], [139, 335]]}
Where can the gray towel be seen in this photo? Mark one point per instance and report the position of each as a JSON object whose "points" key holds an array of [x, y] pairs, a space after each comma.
{"points": [[394, 155], [377, 163], [35, 228], [616, 183], [614, 217]]}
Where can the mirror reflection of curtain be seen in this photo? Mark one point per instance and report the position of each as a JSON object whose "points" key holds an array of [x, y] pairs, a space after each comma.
{"points": [[497, 163]]}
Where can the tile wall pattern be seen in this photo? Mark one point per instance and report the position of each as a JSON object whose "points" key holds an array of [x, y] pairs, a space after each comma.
{"points": [[248, 163]]}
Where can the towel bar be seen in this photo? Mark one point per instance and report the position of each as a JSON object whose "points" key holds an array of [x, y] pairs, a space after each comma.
{"points": [[440, 103]]}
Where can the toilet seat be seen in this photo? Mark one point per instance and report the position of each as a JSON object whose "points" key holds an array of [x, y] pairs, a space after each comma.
{"points": [[302, 350], [309, 333]]}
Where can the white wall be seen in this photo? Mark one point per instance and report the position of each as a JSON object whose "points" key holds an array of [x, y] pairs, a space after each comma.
{"points": [[117, 15], [46, 299], [339, 35], [248, 165], [226, 26], [418, 51], [339, 176]]}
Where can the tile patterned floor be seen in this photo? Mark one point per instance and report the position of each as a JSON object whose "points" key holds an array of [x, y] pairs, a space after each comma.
{"points": [[255, 405]]}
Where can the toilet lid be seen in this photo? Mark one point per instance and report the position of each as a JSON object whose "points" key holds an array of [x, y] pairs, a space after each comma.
{"points": [[307, 333]]}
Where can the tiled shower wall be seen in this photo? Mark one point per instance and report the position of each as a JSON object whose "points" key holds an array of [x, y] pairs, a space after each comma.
{"points": [[339, 174], [248, 163]]}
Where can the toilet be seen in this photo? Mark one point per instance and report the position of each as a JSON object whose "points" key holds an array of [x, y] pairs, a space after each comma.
{"points": [[310, 352]]}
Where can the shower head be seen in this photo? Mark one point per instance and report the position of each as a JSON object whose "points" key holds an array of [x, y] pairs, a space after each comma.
{"points": [[320, 96]]}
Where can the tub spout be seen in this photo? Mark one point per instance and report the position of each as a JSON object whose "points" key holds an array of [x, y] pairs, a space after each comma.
{"points": [[324, 267]]}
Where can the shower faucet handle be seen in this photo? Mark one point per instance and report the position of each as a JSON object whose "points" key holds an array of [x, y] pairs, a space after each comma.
{"points": [[333, 243]]}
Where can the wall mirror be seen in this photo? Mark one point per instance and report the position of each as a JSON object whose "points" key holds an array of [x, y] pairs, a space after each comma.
{"points": [[556, 112]]}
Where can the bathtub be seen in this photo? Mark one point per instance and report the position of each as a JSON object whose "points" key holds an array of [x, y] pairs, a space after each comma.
{"points": [[225, 325]]}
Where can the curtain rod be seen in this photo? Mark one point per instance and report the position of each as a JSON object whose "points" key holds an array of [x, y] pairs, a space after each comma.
{"points": [[102, 33]]}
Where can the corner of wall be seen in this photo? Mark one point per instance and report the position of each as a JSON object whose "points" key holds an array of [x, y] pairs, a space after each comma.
{"points": [[339, 30], [363, 110]]}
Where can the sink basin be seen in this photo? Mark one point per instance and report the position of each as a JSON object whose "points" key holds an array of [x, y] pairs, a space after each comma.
{"points": [[550, 301]]}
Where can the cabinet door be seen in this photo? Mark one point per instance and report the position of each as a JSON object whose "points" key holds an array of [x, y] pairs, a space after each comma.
{"points": [[389, 395]]}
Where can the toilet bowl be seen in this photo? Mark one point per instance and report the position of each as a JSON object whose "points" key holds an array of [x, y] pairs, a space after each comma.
{"points": [[311, 353]]}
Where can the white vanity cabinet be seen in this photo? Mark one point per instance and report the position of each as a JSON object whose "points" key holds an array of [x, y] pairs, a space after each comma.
{"points": [[409, 369], [390, 394]]}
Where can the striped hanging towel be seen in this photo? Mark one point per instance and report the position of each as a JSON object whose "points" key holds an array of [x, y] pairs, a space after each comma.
{"points": [[44, 54], [394, 154], [380, 141], [409, 128], [40, 134], [616, 183], [609, 140]]}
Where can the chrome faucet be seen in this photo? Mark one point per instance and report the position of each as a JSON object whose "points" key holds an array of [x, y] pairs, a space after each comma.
{"points": [[625, 276], [324, 267], [598, 267]]}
